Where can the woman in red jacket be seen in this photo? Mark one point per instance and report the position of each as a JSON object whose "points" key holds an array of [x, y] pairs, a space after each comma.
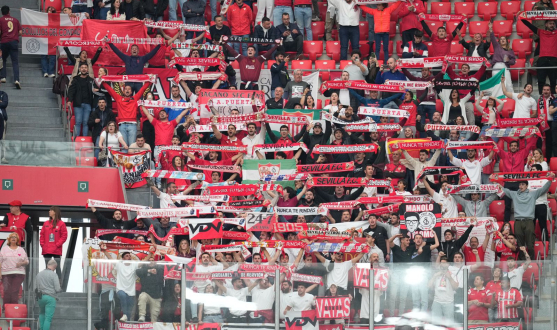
{"points": [[52, 238], [409, 105]]}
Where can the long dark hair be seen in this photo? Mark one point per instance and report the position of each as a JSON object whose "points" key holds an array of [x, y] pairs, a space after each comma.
{"points": [[173, 163], [113, 9], [457, 95], [57, 215]]}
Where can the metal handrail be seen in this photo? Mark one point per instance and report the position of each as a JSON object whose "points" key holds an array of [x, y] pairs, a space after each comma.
{"points": [[12, 319]]}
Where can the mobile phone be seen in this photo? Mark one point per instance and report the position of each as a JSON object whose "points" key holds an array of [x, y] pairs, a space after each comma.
{"points": [[372, 55]]}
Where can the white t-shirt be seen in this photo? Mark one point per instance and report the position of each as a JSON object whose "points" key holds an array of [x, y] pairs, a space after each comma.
{"points": [[449, 205], [200, 285], [458, 274], [535, 185], [284, 299], [473, 169], [167, 203], [299, 304], [339, 274], [444, 291], [263, 298], [125, 277], [524, 106], [112, 139], [516, 277], [241, 296]]}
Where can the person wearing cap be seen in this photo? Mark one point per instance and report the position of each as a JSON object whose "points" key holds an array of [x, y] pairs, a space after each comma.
{"points": [[373, 249], [18, 221], [317, 138], [507, 301], [99, 118], [524, 211]]}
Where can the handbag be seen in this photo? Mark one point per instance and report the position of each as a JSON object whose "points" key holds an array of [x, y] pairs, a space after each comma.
{"points": [[103, 155]]}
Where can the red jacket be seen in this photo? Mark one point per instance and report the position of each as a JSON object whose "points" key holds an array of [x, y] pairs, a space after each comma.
{"points": [[409, 19], [241, 19], [514, 162], [127, 106], [60, 236]]}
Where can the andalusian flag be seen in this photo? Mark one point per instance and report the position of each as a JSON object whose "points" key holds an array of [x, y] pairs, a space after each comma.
{"points": [[312, 115], [492, 86], [254, 169]]}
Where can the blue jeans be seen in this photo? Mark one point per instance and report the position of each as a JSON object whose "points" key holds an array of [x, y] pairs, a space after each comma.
{"points": [[347, 33], [126, 303], [212, 318], [424, 109], [82, 9], [172, 10], [97, 151], [156, 19], [213, 4], [303, 19], [48, 63], [81, 116], [371, 26], [10, 49], [382, 36], [129, 132], [103, 12], [277, 14], [244, 45]]}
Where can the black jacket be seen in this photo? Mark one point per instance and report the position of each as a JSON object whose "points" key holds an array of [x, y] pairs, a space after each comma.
{"points": [[107, 223], [336, 214], [311, 140], [149, 7], [151, 284], [81, 90], [483, 48], [279, 75], [134, 9], [72, 59], [3, 105], [450, 248], [194, 11], [105, 116], [381, 237], [293, 26]]}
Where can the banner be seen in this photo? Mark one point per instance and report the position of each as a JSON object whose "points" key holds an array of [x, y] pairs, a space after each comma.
{"points": [[164, 174], [361, 278], [206, 230], [114, 206], [41, 32], [330, 308], [420, 219], [383, 112], [131, 165], [536, 15], [326, 168], [465, 128], [256, 221], [305, 320], [254, 170], [221, 102], [335, 181], [521, 176], [94, 29], [374, 87]]}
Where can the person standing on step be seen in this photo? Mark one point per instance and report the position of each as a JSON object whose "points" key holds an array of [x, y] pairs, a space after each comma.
{"points": [[10, 30], [80, 94], [3, 124], [48, 286], [52, 237]]}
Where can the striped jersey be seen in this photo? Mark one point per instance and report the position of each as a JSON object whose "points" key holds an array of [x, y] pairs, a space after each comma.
{"points": [[505, 298]]}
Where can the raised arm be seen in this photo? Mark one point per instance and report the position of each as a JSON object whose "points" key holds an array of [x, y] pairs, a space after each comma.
{"points": [[530, 26], [118, 53]]}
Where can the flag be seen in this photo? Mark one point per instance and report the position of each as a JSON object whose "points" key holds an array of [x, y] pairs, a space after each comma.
{"points": [[492, 86], [254, 169], [304, 320], [420, 219], [41, 31], [312, 115], [131, 165]]}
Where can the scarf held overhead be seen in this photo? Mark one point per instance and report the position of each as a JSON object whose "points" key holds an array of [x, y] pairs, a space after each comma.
{"points": [[326, 168], [383, 112], [465, 128], [115, 206], [521, 176]]}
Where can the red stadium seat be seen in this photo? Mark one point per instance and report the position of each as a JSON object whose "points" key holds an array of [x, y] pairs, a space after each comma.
{"points": [[68, 3], [487, 10], [392, 30], [429, 44], [515, 74], [313, 49], [86, 161], [323, 67], [508, 105], [72, 124], [553, 186], [364, 48], [57, 4], [16, 311], [508, 9], [553, 207], [381, 56], [440, 8], [464, 8], [318, 30], [538, 231], [333, 50], [302, 65], [456, 48], [364, 30], [528, 5], [433, 26], [451, 26], [541, 248], [523, 31], [522, 47], [502, 28], [553, 164], [235, 65], [439, 106], [322, 11], [497, 210], [480, 27], [399, 48], [83, 139], [532, 269]]}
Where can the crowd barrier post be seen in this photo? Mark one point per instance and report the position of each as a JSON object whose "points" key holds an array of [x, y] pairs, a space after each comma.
{"points": [[183, 299], [89, 297], [465, 298], [277, 299], [371, 299]]}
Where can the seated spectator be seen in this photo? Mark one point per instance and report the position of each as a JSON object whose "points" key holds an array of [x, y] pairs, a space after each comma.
{"points": [[415, 48], [116, 12], [292, 38], [265, 31]]}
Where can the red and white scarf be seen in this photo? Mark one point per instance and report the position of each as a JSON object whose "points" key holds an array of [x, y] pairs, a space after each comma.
{"points": [[137, 41], [218, 168], [517, 122], [200, 198], [344, 149], [212, 147], [465, 128], [521, 176], [175, 25], [513, 132], [165, 104], [381, 128], [473, 188], [263, 148], [128, 78], [326, 168], [537, 15], [406, 84], [80, 43], [286, 177], [286, 120], [384, 210], [200, 76], [335, 181], [543, 112], [257, 116], [471, 145], [465, 59], [296, 277], [417, 145], [383, 112], [183, 45], [189, 61], [442, 18], [425, 62], [115, 206], [175, 212], [220, 127], [343, 84]]}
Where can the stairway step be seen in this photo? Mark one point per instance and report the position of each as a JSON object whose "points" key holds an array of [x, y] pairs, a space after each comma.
{"points": [[37, 134], [33, 126], [33, 138], [24, 121], [33, 111]]}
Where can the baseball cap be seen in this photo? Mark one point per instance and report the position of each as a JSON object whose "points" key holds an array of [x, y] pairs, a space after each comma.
{"points": [[15, 203], [317, 124]]}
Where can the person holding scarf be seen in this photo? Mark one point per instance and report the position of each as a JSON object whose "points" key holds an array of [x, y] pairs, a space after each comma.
{"points": [[544, 103]]}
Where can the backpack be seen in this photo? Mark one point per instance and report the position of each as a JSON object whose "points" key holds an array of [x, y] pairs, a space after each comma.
{"points": [[60, 84]]}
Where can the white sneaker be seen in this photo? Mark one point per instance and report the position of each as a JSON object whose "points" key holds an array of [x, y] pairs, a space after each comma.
{"points": [[3, 80], [45, 75], [52, 75], [17, 85], [141, 319], [124, 318]]}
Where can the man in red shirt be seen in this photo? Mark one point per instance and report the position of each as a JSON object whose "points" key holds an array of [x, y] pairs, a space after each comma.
{"points": [[214, 160], [250, 65], [548, 52], [479, 299], [241, 20], [441, 42], [395, 170], [507, 301], [228, 140], [474, 245], [10, 30], [127, 110], [18, 221]]}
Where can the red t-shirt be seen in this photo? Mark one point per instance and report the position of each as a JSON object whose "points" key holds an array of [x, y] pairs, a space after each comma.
{"points": [[441, 47], [208, 173], [469, 255], [493, 287], [478, 312], [9, 28], [412, 109], [505, 298], [164, 131], [394, 169], [225, 141], [548, 42]]}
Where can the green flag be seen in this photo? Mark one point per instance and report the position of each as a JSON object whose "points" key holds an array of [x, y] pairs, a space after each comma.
{"points": [[492, 86], [311, 115], [254, 169]]}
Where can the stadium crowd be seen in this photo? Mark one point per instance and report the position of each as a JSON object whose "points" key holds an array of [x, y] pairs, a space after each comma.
{"points": [[406, 152]]}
